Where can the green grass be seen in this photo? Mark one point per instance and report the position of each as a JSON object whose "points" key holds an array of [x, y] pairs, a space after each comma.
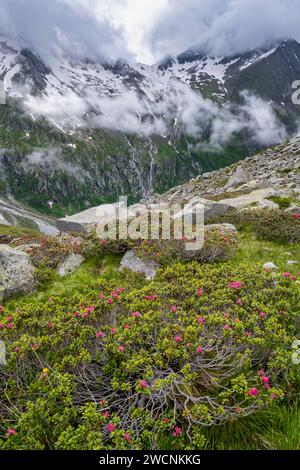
{"points": [[10, 231], [91, 270], [283, 202], [277, 428], [254, 250]]}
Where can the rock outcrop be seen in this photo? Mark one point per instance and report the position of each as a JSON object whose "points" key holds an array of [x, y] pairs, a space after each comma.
{"points": [[70, 264], [133, 263], [16, 272], [276, 170]]}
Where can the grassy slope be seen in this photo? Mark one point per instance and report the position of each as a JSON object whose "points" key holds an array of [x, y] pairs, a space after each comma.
{"points": [[276, 428]]}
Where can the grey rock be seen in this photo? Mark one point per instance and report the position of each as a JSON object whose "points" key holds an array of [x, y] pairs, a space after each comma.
{"points": [[2, 354], [85, 221], [225, 227], [258, 197], [270, 265], [196, 206], [16, 272], [237, 178], [134, 263], [70, 264]]}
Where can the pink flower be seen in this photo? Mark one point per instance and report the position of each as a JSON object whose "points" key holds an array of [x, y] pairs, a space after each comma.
{"points": [[296, 216], [273, 396], [262, 315], [85, 315], [17, 349], [201, 320], [115, 295], [239, 302], [254, 391], [121, 349], [260, 372], [177, 431], [10, 326], [101, 296], [143, 384], [174, 309], [113, 331], [100, 334], [76, 314], [136, 314], [126, 327], [109, 301], [265, 379], [119, 290], [2, 326], [200, 292], [111, 427], [1, 309], [11, 432], [127, 437], [227, 327], [90, 309], [106, 414], [235, 285], [166, 420], [199, 350], [9, 319], [49, 324], [178, 339], [286, 275]]}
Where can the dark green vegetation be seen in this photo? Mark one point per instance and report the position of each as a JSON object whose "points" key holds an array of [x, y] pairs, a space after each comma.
{"points": [[201, 357], [40, 163]]}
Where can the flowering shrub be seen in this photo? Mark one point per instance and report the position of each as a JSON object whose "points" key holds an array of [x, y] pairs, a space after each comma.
{"points": [[219, 245], [114, 367], [268, 224]]}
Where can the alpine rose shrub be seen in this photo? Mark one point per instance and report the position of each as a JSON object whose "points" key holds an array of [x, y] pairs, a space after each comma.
{"points": [[268, 224], [219, 245], [83, 373]]}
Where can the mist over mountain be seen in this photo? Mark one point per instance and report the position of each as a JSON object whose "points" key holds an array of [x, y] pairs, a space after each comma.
{"points": [[114, 127]]}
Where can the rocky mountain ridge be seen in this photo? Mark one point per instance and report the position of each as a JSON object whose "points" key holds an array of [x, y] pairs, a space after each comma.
{"points": [[74, 135], [277, 168], [269, 179]]}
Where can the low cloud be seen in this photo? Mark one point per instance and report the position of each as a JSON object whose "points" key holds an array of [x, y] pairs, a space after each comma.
{"points": [[177, 108], [222, 27], [65, 27], [50, 161]]}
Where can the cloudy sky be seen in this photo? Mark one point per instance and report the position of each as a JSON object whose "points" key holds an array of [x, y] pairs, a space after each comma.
{"points": [[148, 30]]}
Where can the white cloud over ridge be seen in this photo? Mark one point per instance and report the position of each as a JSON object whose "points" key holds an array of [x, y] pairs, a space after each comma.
{"points": [[181, 109]]}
